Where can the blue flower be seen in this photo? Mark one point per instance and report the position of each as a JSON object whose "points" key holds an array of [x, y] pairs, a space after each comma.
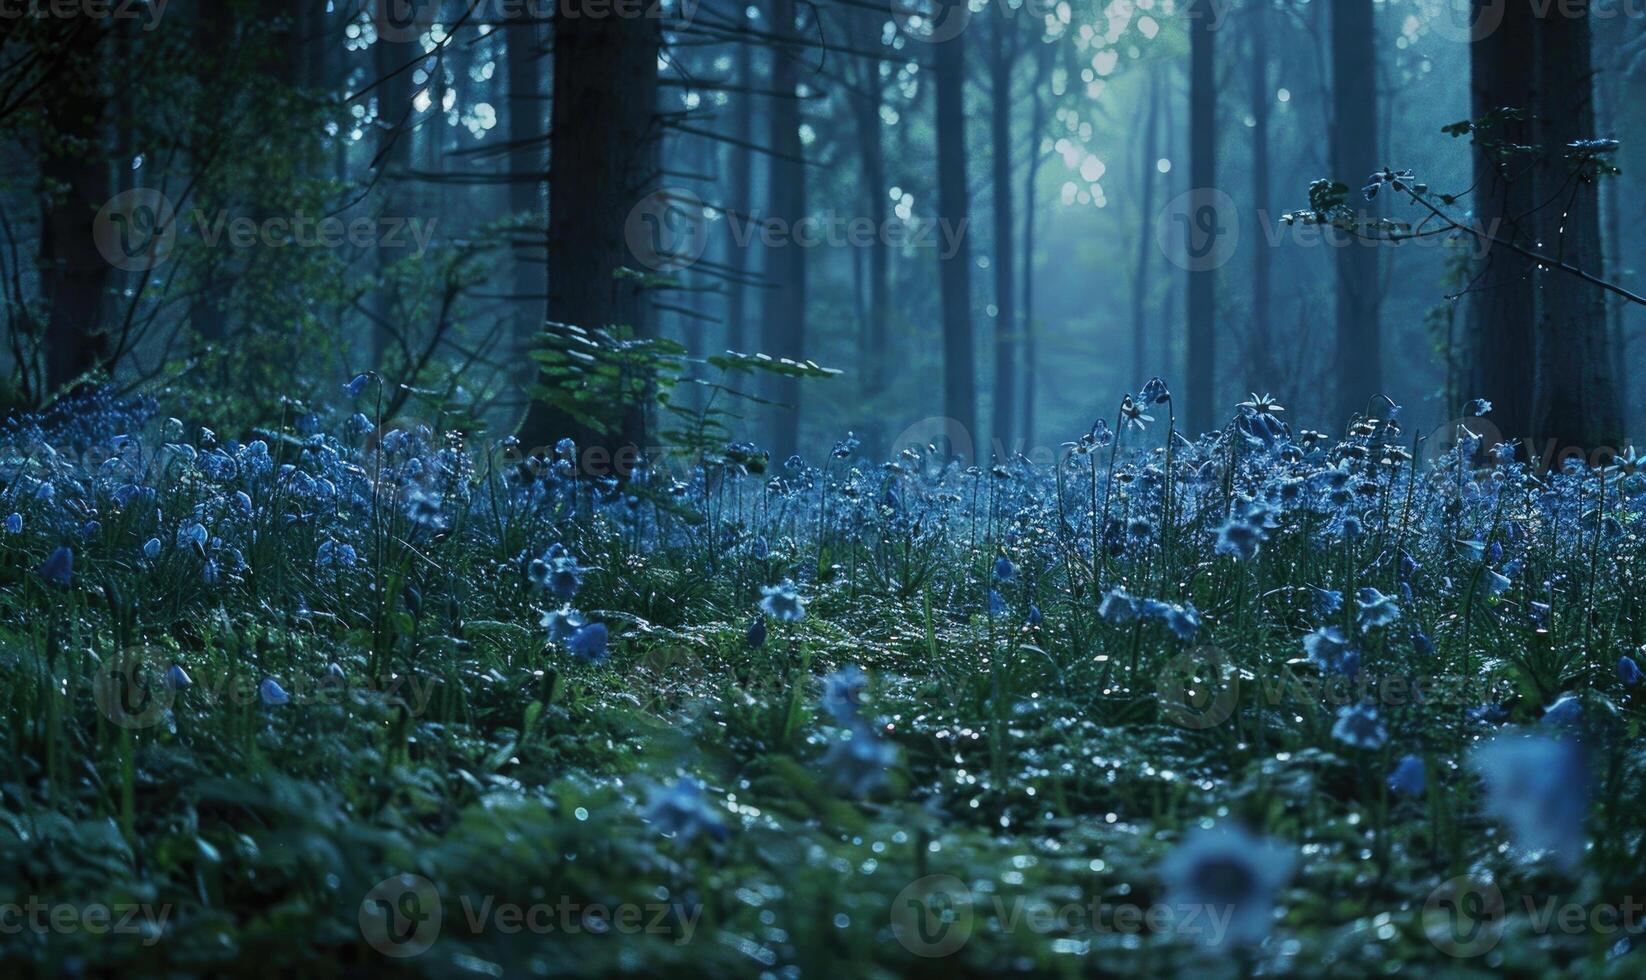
{"points": [[1154, 392], [1539, 786], [556, 571], [1409, 778], [58, 568], [1358, 726], [844, 692], [272, 694], [14, 523], [682, 810], [356, 385], [1567, 712], [997, 604], [1326, 601], [1118, 607], [1034, 615], [1328, 649], [857, 764], [334, 552], [1493, 583], [782, 603], [1003, 569], [755, 638], [151, 549], [1232, 872], [1376, 609], [1422, 644], [1183, 621], [211, 572], [1478, 407], [1628, 671], [561, 623], [1240, 538], [588, 643], [177, 678]]}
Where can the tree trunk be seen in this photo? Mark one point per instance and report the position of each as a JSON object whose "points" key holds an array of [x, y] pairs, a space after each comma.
{"points": [[1354, 156], [1203, 178], [740, 174], [1577, 404], [872, 161], [1503, 313], [605, 69], [1262, 360], [1148, 153], [393, 161], [1037, 126], [74, 167], [1002, 56], [527, 168], [953, 209], [783, 331]]}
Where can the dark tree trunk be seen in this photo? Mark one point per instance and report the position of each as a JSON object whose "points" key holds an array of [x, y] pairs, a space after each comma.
{"points": [[1262, 355], [1037, 126], [1503, 312], [740, 174], [393, 161], [1354, 156], [1148, 153], [74, 167], [783, 332], [1002, 56], [1577, 403], [872, 161], [1202, 177], [605, 69], [527, 169], [953, 209]]}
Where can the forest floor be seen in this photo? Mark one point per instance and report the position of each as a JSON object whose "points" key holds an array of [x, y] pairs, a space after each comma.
{"points": [[330, 699]]}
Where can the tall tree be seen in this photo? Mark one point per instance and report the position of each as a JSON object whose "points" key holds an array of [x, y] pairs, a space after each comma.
{"points": [[953, 210], [1359, 371], [1261, 361], [1003, 51], [783, 331], [1577, 403], [1503, 307], [605, 69], [527, 168], [1148, 153], [740, 172], [1202, 178], [74, 173], [395, 57]]}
